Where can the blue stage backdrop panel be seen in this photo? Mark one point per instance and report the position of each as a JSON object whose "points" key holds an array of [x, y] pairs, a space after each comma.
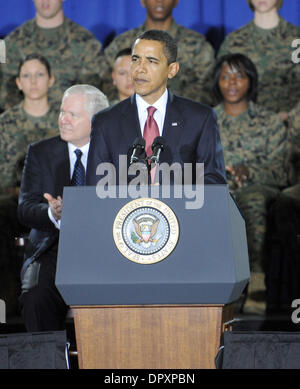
{"points": [[108, 18]]}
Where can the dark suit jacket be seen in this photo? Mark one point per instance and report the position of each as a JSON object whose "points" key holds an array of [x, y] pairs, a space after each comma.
{"points": [[46, 170], [190, 132]]}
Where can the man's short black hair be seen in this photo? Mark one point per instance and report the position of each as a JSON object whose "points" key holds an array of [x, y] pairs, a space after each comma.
{"points": [[121, 53], [170, 45], [241, 63]]}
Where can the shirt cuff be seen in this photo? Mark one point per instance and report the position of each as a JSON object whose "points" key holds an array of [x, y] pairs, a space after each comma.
{"points": [[54, 221]]}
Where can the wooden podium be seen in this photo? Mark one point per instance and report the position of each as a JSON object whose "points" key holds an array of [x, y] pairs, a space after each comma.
{"points": [[165, 315], [149, 337]]}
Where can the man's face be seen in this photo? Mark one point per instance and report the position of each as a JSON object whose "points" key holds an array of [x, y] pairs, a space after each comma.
{"points": [[150, 70], [121, 76], [74, 121], [48, 8], [159, 10]]}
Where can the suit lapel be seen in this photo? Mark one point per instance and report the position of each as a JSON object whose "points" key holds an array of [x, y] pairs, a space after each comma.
{"points": [[130, 124], [173, 128], [61, 166]]}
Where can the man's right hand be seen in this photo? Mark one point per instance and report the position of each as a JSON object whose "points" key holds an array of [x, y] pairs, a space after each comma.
{"points": [[55, 205]]}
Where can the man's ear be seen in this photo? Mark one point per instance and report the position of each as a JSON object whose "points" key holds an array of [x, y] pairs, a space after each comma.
{"points": [[173, 69], [143, 3]]}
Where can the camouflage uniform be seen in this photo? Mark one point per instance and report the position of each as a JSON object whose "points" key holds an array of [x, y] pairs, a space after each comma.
{"points": [[114, 102], [257, 139], [271, 52], [72, 51], [195, 57], [18, 130], [294, 122]]}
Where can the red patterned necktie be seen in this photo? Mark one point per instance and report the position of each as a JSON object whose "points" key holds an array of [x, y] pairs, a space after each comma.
{"points": [[151, 131]]}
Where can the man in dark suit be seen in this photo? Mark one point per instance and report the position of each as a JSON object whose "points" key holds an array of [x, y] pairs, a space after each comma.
{"points": [[189, 128], [50, 165]]}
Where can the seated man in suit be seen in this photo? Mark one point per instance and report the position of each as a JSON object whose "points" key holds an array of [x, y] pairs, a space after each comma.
{"points": [[188, 127], [50, 165]]}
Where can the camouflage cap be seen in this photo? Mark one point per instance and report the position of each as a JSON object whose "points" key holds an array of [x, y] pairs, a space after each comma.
{"points": [[2, 51]]}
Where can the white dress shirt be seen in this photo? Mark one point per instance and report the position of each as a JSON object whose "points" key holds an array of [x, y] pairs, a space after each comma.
{"points": [[159, 114], [72, 157]]}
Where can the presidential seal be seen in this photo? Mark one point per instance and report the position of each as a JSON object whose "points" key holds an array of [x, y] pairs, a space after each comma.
{"points": [[145, 231]]}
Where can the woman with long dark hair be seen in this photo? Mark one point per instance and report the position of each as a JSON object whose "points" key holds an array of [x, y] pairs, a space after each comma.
{"points": [[254, 143]]}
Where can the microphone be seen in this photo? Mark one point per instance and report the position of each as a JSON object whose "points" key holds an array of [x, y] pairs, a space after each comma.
{"points": [[157, 147], [138, 149]]}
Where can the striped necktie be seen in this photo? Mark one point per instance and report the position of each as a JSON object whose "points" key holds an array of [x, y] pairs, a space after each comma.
{"points": [[78, 178]]}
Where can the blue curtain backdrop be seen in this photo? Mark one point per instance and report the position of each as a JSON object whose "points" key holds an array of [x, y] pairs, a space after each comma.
{"points": [[106, 18]]}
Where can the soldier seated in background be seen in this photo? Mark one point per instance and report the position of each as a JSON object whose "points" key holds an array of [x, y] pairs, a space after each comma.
{"points": [[121, 75], [31, 120], [73, 52], [195, 54], [255, 143], [267, 41]]}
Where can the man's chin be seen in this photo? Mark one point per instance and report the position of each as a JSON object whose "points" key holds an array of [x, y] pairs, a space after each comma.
{"points": [[141, 90], [65, 137]]}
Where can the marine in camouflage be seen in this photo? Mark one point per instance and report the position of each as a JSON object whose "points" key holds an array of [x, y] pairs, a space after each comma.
{"points": [[196, 58], [18, 130], [254, 201], [73, 52], [271, 52], [257, 139]]}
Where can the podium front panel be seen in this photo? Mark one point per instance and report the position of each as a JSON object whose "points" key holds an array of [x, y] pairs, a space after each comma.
{"points": [[209, 264]]}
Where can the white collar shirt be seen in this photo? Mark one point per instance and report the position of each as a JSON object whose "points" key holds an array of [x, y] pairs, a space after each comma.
{"points": [[159, 114], [72, 156]]}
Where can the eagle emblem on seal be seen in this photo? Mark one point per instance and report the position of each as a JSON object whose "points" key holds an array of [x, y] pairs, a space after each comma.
{"points": [[145, 230]]}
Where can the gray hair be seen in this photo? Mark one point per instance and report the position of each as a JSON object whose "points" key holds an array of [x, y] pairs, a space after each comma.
{"points": [[95, 100]]}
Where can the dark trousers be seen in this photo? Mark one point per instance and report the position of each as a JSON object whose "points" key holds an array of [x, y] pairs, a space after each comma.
{"points": [[43, 308]]}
